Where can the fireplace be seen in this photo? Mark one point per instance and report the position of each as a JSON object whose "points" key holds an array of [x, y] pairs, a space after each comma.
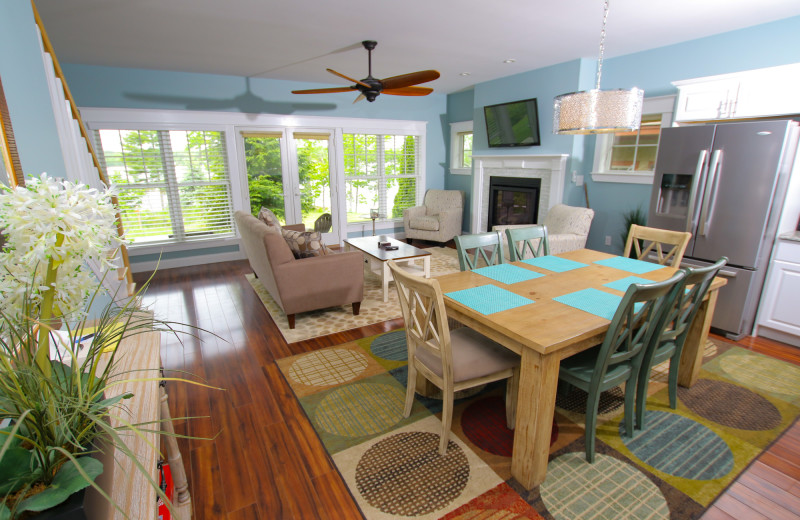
{"points": [[513, 201]]}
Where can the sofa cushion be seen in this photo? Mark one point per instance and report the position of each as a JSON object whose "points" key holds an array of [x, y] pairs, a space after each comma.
{"points": [[305, 244], [428, 223], [268, 217]]}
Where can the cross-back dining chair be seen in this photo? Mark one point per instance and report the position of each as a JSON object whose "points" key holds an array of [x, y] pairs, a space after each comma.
{"points": [[452, 360], [668, 246], [618, 358], [527, 242], [482, 246], [666, 343]]}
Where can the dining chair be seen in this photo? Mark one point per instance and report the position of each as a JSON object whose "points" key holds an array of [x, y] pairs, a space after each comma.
{"points": [[527, 240], [666, 343], [472, 248], [453, 360], [618, 358], [668, 246]]}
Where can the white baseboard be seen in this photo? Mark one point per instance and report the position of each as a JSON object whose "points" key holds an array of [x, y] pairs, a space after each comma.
{"points": [[141, 267]]}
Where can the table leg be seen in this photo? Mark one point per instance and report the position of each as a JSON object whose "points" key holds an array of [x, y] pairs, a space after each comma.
{"points": [[426, 265], [692, 356], [386, 275], [535, 408]]}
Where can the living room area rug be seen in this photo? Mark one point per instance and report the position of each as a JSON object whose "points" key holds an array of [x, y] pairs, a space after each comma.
{"points": [[353, 395], [322, 322]]}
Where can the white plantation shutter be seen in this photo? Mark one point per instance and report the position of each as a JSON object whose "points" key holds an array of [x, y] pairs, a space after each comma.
{"points": [[173, 185]]}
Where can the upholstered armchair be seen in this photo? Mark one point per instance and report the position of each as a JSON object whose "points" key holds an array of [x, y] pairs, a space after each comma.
{"points": [[567, 228], [438, 219]]}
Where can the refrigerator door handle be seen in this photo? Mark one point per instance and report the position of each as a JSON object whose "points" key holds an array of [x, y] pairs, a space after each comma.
{"points": [[698, 172], [708, 200]]}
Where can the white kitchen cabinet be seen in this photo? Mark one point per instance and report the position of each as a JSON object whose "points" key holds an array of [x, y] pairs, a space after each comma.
{"points": [[756, 93], [779, 310]]}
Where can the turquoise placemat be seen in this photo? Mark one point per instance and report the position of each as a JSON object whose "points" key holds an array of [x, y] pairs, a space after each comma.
{"points": [[624, 283], [593, 301], [629, 264], [554, 263], [488, 299], [507, 273]]}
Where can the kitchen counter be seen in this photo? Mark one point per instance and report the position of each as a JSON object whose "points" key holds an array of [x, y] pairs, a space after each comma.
{"points": [[778, 318]]}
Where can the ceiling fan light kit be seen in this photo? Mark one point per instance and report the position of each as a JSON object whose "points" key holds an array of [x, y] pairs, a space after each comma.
{"points": [[598, 111], [370, 88]]}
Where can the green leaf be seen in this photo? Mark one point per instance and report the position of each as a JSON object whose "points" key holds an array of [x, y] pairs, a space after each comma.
{"points": [[16, 470], [5, 513], [67, 481]]}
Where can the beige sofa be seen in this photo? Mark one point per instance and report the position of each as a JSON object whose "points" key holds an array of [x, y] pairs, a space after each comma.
{"points": [[567, 228], [438, 219], [300, 285]]}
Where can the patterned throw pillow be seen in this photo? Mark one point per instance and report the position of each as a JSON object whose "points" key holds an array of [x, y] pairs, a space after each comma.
{"points": [[305, 244], [268, 217]]}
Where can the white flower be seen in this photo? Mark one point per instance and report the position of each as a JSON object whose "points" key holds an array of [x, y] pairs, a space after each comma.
{"points": [[53, 219]]}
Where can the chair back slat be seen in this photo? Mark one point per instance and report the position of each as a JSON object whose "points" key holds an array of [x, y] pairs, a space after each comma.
{"points": [[646, 240], [527, 242], [482, 246]]}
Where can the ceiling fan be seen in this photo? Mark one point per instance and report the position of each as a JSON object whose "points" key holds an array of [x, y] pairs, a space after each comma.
{"points": [[370, 87]]}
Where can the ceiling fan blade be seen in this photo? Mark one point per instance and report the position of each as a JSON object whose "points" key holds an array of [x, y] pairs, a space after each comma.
{"points": [[407, 80], [324, 90], [348, 78], [359, 98], [408, 91]]}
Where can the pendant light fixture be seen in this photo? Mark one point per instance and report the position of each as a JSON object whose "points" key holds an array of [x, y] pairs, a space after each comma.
{"points": [[598, 111]]}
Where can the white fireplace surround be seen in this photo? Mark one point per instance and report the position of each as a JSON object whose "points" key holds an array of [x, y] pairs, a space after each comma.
{"points": [[551, 169]]}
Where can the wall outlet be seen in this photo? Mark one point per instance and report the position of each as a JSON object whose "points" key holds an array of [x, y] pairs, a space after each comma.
{"points": [[579, 180], [608, 240]]}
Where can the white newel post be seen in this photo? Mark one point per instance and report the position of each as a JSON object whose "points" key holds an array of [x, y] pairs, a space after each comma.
{"points": [[551, 169]]}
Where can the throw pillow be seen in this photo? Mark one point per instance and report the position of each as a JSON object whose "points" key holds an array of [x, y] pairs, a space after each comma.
{"points": [[305, 244], [268, 217]]}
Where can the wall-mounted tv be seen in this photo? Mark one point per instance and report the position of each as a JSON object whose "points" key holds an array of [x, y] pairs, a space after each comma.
{"points": [[513, 124]]}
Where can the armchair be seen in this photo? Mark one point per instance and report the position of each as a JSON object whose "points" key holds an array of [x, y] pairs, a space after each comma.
{"points": [[567, 228], [438, 219]]}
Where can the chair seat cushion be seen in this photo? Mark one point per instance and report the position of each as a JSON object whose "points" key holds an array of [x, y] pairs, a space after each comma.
{"points": [[474, 355], [427, 223]]}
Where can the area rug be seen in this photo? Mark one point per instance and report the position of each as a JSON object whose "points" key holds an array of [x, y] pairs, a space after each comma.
{"points": [[353, 395], [373, 309]]}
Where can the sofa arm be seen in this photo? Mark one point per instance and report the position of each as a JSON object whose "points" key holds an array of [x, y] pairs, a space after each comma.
{"points": [[409, 213], [295, 227], [563, 242], [450, 222], [321, 281]]}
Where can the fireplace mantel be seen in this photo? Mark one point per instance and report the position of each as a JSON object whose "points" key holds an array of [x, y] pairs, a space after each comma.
{"points": [[550, 168]]}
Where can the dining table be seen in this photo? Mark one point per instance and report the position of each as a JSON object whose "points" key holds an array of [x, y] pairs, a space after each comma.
{"points": [[546, 309]]}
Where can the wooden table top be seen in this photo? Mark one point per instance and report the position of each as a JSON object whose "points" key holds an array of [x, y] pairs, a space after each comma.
{"points": [[547, 326], [369, 245]]}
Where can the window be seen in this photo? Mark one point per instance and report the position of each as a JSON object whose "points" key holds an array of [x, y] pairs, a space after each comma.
{"points": [[173, 185], [461, 148], [631, 156], [380, 173]]}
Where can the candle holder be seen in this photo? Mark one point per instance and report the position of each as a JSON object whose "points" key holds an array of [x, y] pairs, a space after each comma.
{"points": [[373, 214]]}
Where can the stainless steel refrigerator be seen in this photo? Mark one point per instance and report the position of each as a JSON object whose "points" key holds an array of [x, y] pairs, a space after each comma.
{"points": [[726, 184]]}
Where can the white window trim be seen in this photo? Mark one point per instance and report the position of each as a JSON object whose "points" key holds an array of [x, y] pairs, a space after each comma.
{"points": [[232, 123], [602, 148], [455, 129]]}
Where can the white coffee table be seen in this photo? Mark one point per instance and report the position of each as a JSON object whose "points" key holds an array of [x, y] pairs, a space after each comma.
{"points": [[405, 256]]}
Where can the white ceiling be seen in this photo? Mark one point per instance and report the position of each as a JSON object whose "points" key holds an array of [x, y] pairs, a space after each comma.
{"points": [[298, 39]]}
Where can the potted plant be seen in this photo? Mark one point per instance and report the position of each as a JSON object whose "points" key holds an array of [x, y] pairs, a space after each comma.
{"points": [[632, 216], [56, 418]]}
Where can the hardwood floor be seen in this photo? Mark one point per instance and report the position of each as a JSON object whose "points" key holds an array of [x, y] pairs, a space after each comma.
{"points": [[262, 459]]}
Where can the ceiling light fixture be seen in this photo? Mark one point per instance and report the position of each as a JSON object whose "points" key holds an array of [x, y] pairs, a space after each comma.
{"points": [[509, 60], [464, 74], [598, 111]]}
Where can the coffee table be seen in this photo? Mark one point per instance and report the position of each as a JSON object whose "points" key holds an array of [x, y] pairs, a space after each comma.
{"points": [[405, 256]]}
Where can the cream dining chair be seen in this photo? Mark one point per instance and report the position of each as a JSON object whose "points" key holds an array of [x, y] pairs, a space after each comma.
{"points": [[453, 360], [668, 246]]}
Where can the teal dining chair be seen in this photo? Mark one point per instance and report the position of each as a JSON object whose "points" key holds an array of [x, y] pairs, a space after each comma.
{"points": [[618, 358], [666, 343], [524, 240], [472, 248]]}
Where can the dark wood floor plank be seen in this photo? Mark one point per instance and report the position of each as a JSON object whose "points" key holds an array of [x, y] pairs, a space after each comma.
{"points": [[737, 509], [230, 449], [246, 513], [759, 502], [715, 513], [774, 494], [333, 492], [773, 476], [205, 484]]}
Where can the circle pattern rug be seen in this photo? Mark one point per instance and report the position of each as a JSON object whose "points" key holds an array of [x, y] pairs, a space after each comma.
{"points": [[680, 446], [404, 475], [607, 488], [327, 367], [763, 373], [575, 401], [360, 409], [752, 411], [391, 346]]}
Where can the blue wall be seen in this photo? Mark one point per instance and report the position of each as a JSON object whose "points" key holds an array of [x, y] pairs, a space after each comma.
{"points": [[26, 92], [767, 45]]}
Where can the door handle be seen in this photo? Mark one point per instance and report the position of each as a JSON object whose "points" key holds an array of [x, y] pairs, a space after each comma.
{"points": [[705, 212], [698, 172]]}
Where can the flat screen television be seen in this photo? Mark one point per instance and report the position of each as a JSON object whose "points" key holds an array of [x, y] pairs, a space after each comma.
{"points": [[512, 124]]}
